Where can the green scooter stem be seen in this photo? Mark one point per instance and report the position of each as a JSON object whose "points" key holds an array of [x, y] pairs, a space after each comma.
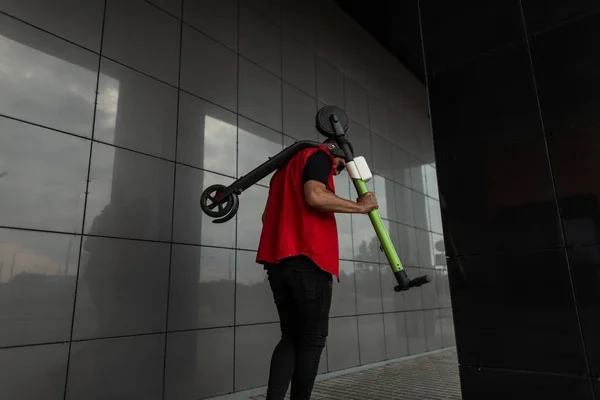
{"points": [[404, 282], [382, 234]]}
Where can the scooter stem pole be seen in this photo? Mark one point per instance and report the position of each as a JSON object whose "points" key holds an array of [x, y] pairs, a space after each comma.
{"points": [[382, 234]]}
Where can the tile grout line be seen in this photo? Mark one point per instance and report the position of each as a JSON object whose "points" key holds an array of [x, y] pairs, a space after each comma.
{"points": [[174, 188], [84, 215], [237, 171], [586, 355]]}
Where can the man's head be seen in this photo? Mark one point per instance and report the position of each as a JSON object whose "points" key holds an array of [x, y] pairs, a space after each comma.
{"points": [[337, 153]]}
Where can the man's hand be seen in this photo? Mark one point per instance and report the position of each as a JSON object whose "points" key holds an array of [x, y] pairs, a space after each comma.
{"points": [[368, 202]]}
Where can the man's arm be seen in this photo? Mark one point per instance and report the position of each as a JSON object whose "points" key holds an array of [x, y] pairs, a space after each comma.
{"points": [[316, 194]]}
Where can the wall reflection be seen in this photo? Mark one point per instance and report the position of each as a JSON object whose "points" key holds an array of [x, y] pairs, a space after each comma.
{"points": [[37, 282], [45, 80], [137, 196]]}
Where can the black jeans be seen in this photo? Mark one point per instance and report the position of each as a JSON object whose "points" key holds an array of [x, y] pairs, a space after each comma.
{"points": [[302, 294]]}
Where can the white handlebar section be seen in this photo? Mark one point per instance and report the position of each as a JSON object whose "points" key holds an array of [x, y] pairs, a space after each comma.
{"points": [[358, 169]]}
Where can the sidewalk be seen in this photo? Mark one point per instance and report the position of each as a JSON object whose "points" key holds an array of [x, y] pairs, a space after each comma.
{"points": [[432, 377]]}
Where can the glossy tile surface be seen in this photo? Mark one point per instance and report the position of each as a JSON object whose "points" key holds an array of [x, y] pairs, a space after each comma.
{"points": [[206, 133], [299, 110], [497, 23], [368, 287], [573, 158], [585, 267], [249, 218], [357, 104], [420, 204], [431, 182], [259, 95], [135, 32], [508, 219], [43, 177], [425, 249], [378, 116], [254, 299], [371, 338], [408, 248], [417, 337], [342, 344], [298, 65], [173, 7], [190, 224], [330, 83], [129, 367], [199, 364], [541, 15], [448, 335], [215, 81], [256, 144], [366, 244], [45, 80], [417, 174], [438, 248], [298, 21], [396, 340], [130, 195], [401, 166], [497, 385], [269, 9], [343, 302], [162, 107], [482, 312], [405, 209], [37, 282], [202, 287], [383, 161], [122, 288], [433, 329], [435, 215], [217, 19], [135, 111], [573, 75], [76, 22], [490, 100], [34, 372], [344, 226], [254, 346], [260, 40]]}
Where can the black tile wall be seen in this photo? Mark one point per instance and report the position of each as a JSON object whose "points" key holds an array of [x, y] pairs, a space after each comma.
{"points": [[521, 385], [544, 14], [514, 120], [567, 69], [455, 31]]}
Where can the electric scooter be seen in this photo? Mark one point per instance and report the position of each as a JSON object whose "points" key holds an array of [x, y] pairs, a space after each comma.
{"points": [[222, 202]]}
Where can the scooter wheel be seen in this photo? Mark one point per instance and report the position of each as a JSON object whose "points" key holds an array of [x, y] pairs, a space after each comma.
{"points": [[217, 208]]}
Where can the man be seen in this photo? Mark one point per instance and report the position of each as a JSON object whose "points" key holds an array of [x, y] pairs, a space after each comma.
{"points": [[299, 249]]}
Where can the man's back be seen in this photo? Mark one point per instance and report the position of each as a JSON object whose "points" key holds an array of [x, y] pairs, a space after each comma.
{"points": [[291, 227]]}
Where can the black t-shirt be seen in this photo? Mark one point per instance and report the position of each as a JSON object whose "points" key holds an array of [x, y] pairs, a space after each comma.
{"points": [[317, 168]]}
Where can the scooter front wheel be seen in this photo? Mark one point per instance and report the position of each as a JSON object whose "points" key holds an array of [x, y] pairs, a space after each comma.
{"points": [[216, 206]]}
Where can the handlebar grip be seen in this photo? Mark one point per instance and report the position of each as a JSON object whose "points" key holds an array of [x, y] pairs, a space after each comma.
{"points": [[420, 281], [404, 283]]}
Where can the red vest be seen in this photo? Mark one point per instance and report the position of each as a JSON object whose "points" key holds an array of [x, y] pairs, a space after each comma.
{"points": [[291, 226]]}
